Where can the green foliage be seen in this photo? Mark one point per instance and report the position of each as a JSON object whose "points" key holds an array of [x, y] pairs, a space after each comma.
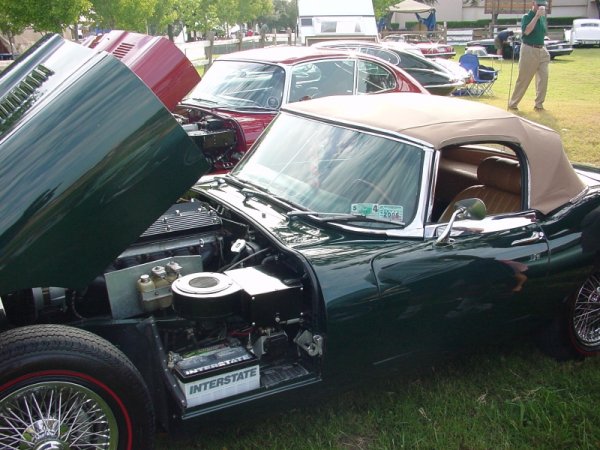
{"points": [[285, 14], [13, 19], [207, 15], [248, 10], [51, 15], [381, 7], [164, 14], [200, 15], [129, 15]]}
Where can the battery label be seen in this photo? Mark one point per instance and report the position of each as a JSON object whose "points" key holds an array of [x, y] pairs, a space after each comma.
{"points": [[221, 386]]}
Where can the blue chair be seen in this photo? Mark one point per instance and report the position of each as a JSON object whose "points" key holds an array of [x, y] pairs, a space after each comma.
{"points": [[482, 78]]}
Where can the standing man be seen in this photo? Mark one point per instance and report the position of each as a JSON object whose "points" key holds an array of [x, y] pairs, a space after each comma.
{"points": [[501, 38], [534, 58]]}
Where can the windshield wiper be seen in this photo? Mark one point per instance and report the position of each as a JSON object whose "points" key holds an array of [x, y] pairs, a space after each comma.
{"points": [[258, 192], [253, 107], [266, 195], [340, 217], [199, 101]]}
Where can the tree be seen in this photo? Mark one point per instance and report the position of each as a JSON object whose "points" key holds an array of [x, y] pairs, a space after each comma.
{"points": [[164, 14], [12, 21], [199, 15], [243, 11], [130, 15], [53, 16], [285, 14], [381, 7]]}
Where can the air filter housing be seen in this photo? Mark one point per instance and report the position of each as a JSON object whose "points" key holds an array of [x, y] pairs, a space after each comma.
{"points": [[206, 295]]}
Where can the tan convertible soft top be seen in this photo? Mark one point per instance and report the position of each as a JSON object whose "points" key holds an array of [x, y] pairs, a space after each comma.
{"points": [[441, 121]]}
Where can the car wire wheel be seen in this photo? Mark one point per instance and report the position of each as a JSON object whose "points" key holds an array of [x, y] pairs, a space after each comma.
{"points": [[56, 415], [66, 388], [586, 314]]}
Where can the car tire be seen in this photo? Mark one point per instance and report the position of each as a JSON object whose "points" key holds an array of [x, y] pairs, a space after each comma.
{"points": [[583, 314], [62, 387], [567, 336]]}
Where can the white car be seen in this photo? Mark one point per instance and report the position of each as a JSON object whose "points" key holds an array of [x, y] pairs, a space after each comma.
{"points": [[584, 32]]}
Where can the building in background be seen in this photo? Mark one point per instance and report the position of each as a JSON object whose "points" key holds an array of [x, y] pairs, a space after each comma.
{"points": [[458, 10]]}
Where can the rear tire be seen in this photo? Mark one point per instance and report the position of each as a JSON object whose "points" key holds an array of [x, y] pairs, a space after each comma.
{"points": [[62, 387], [584, 317]]}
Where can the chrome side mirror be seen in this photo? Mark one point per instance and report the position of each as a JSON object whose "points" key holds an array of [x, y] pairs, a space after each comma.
{"points": [[469, 208]]}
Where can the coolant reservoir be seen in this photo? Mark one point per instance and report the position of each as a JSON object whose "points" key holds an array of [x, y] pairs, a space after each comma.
{"points": [[155, 290], [145, 284], [159, 276]]}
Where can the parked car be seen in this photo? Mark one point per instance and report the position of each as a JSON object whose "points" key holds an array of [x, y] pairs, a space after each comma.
{"points": [[512, 47], [557, 47], [585, 32], [429, 48], [352, 238], [155, 59], [241, 92], [434, 77], [453, 67]]}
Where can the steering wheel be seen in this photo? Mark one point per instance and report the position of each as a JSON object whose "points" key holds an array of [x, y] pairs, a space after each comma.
{"points": [[385, 197]]}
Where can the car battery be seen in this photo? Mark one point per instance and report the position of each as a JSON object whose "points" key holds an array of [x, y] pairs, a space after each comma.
{"points": [[216, 374]]}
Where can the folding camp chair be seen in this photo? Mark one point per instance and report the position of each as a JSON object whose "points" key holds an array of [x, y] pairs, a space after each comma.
{"points": [[482, 78]]}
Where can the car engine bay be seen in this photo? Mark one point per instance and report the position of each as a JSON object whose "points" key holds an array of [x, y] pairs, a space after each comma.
{"points": [[220, 140], [233, 313]]}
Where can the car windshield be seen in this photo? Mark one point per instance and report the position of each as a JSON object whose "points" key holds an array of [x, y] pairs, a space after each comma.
{"points": [[327, 169], [240, 84]]}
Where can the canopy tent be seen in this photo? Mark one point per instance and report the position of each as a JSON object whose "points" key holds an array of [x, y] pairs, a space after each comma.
{"points": [[412, 6]]}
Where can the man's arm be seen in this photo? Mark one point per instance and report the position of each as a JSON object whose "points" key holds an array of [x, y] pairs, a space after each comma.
{"points": [[541, 11]]}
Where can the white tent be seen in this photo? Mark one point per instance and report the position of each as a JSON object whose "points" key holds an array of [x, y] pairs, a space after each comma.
{"points": [[410, 6]]}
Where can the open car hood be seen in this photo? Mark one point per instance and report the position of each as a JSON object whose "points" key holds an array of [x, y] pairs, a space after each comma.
{"points": [[155, 59], [89, 158]]}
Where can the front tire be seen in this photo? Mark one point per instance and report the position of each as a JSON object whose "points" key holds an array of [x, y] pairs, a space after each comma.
{"points": [[62, 387]]}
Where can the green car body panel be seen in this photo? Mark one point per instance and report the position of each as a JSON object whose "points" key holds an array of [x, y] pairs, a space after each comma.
{"points": [[75, 180]]}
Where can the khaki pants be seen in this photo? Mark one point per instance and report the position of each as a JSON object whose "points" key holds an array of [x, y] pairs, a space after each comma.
{"points": [[532, 61]]}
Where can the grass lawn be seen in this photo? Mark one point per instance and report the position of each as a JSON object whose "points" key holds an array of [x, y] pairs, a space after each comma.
{"points": [[572, 103], [505, 397]]}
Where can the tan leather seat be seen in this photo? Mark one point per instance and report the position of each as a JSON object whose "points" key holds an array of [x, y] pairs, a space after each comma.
{"points": [[499, 187]]}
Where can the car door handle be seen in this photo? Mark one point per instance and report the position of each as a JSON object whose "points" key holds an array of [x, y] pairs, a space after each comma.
{"points": [[536, 236]]}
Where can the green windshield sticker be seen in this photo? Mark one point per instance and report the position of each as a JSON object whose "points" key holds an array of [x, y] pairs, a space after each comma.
{"points": [[392, 213]]}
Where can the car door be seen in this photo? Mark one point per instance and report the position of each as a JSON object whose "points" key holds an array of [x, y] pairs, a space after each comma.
{"points": [[482, 284]]}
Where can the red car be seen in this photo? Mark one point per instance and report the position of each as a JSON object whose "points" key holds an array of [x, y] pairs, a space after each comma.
{"points": [[427, 47], [156, 60], [241, 92]]}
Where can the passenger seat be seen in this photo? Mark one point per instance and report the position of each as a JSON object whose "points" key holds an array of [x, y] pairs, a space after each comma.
{"points": [[499, 187]]}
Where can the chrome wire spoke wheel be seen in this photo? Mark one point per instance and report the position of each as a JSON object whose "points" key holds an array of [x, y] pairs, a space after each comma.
{"points": [[586, 312], [56, 415]]}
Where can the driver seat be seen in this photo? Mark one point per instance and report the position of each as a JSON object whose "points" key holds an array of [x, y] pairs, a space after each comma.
{"points": [[499, 187]]}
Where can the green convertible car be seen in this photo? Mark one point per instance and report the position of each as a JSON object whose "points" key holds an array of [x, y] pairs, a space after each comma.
{"points": [[358, 233]]}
